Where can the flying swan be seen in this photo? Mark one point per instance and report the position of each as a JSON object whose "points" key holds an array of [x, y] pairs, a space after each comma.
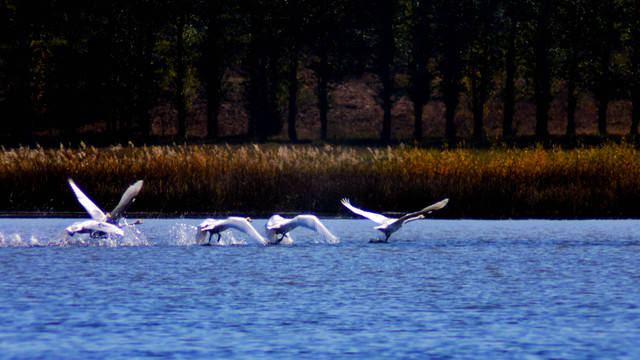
{"points": [[216, 226], [101, 223], [389, 225], [278, 228]]}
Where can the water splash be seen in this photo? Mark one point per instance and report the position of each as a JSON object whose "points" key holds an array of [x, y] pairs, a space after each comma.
{"points": [[15, 240], [131, 237], [228, 238], [182, 234], [311, 237]]}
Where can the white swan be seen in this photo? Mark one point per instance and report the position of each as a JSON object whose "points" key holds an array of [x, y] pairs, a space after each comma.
{"points": [[278, 227], [95, 228], [101, 223], [390, 225], [216, 226]]}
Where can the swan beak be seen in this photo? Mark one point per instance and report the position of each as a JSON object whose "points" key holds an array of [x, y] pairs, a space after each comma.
{"points": [[249, 219]]}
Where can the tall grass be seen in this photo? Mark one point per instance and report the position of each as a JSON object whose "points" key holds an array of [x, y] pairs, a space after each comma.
{"points": [[259, 180]]}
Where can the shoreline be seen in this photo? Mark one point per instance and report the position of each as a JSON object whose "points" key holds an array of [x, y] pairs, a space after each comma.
{"points": [[196, 216]]}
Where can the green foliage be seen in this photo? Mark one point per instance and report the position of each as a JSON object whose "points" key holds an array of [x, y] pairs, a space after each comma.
{"points": [[63, 65]]}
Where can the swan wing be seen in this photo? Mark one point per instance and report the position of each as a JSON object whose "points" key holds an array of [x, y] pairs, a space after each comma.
{"points": [[127, 199], [313, 223], [378, 218], [243, 225], [93, 210], [420, 214]]}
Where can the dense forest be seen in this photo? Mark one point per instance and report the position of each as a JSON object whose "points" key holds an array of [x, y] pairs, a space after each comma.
{"points": [[68, 64]]}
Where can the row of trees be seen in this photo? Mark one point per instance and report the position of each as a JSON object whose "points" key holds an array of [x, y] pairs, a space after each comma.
{"points": [[65, 63]]}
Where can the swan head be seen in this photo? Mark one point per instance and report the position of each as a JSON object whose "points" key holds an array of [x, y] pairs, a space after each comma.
{"points": [[74, 228], [201, 236]]}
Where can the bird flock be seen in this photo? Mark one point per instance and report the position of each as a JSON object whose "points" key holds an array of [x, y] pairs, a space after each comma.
{"points": [[277, 228]]}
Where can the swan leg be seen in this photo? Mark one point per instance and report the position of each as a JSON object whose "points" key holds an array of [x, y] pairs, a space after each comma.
{"points": [[209, 240], [281, 238], [219, 236], [98, 234], [379, 240]]}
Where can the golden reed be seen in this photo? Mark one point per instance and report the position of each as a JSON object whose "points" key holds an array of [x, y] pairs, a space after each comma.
{"points": [[258, 180]]}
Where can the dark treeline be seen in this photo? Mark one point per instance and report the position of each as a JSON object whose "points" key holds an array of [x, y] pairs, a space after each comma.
{"points": [[65, 64]]}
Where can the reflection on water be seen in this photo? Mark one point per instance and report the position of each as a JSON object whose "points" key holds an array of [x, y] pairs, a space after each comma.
{"points": [[438, 289]]}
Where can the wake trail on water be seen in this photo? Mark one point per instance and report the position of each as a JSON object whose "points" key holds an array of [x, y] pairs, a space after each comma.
{"points": [[131, 237], [184, 234], [176, 234]]}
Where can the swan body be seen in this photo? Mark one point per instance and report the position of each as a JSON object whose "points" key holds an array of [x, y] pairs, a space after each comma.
{"points": [[390, 225], [279, 226], [95, 228], [217, 226], [101, 223]]}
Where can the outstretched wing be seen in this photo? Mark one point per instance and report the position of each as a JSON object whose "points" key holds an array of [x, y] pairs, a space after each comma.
{"points": [[379, 218], [243, 225], [127, 199], [93, 210], [420, 214], [313, 223]]}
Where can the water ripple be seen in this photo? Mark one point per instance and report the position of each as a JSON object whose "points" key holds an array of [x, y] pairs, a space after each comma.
{"points": [[439, 289]]}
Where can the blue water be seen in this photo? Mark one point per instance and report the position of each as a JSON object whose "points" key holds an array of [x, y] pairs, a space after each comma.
{"points": [[440, 289]]}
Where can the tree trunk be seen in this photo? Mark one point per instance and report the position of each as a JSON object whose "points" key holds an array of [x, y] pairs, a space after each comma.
{"points": [[572, 104], [385, 135], [293, 93], [451, 84], [323, 100], [635, 110], [542, 71], [451, 103], [145, 120], [603, 89], [417, 115], [387, 50], [180, 75], [603, 104], [509, 89], [213, 106], [477, 101], [572, 99], [419, 94]]}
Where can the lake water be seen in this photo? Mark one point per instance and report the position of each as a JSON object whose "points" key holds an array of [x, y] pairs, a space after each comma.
{"points": [[440, 289]]}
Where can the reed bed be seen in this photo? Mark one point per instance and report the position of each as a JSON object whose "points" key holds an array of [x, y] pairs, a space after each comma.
{"points": [[259, 180]]}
